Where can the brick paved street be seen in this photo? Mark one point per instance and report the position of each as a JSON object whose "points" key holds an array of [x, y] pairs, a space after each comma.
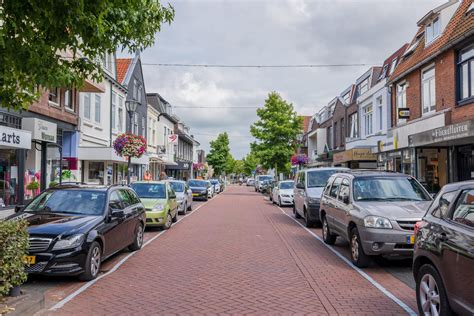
{"points": [[238, 254]]}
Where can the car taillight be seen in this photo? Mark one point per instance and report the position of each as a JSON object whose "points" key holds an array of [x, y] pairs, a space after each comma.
{"points": [[419, 225]]}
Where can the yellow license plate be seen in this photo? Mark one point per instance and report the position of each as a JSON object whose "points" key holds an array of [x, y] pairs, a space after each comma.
{"points": [[411, 240], [195, 194], [30, 259]]}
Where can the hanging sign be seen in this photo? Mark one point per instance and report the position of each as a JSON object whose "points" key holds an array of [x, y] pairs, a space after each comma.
{"points": [[403, 113], [172, 139]]}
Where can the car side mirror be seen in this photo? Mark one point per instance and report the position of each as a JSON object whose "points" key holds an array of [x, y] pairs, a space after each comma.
{"points": [[300, 186], [19, 208], [345, 199], [172, 196], [117, 213]]}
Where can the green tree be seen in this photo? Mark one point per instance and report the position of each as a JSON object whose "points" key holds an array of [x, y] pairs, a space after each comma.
{"points": [[238, 167], [250, 163], [35, 35], [229, 168], [219, 156], [276, 133]]}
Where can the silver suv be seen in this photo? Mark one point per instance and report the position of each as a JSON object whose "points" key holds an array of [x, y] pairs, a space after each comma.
{"points": [[309, 184], [375, 211]]}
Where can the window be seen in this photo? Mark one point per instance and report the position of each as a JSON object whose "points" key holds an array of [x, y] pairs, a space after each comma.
{"points": [[143, 126], [344, 190], [335, 188], [135, 124], [120, 115], [87, 105], [135, 89], [68, 97], [115, 202], [428, 90], [401, 99], [347, 97], [114, 110], [353, 126], [97, 108], [464, 212], [368, 120], [363, 86], [96, 172], [392, 66], [380, 113], [440, 208], [54, 96], [139, 93], [150, 140], [336, 143], [330, 138], [343, 135], [466, 73], [432, 30], [384, 72], [125, 197]]}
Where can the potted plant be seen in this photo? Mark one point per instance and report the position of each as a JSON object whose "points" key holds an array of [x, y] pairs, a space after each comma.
{"points": [[33, 187], [299, 160]]}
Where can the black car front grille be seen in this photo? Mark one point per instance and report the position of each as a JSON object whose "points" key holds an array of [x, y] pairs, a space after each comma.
{"points": [[407, 225], [39, 244], [38, 267], [404, 246]]}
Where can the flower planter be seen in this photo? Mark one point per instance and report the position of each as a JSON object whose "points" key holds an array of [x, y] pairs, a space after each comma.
{"points": [[15, 291]]}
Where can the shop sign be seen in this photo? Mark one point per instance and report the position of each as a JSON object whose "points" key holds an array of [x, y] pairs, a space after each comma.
{"points": [[403, 113], [40, 130], [443, 134], [14, 138], [355, 154], [172, 139], [391, 142], [181, 165]]}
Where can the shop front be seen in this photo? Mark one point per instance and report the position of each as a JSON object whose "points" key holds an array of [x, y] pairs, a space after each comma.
{"points": [[13, 145], [182, 170], [356, 158]]}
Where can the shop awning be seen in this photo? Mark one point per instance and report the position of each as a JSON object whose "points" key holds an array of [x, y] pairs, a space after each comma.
{"points": [[107, 154]]}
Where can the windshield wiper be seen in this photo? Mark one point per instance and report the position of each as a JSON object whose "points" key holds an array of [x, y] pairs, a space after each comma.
{"points": [[401, 198], [371, 199]]}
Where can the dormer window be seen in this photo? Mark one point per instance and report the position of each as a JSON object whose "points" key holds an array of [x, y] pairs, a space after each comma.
{"points": [[347, 97], [392, 66], [432, 30], [363, 86]]}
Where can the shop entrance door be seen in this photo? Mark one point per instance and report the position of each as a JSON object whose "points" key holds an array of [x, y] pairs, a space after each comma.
{"points": [[465, 163], [8, 177]]}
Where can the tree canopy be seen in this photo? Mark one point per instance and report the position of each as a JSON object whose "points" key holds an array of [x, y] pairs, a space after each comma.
{"points": [[250, 163], [219, 156], [35, 36], [276, 133]]}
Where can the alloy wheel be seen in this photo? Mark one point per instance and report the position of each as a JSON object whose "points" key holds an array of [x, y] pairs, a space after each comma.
{"points": [[325, 228], [355, 247], [429, 295], [95, 261], [139, 236], [169, 220]]}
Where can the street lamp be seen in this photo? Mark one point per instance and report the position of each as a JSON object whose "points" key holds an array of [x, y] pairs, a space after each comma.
{"points": [[131, 107]]}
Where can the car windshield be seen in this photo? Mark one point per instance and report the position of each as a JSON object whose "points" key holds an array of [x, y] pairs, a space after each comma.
{"points": [[318, 179], [388, 189], [80, 202], [177, 186], [263, 178], [197, 183], [150, 190], [286, 185], [214, 182]]}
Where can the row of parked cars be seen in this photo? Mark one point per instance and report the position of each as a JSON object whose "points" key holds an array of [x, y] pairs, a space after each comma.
{"points": [[392, 215], [74, 227]]}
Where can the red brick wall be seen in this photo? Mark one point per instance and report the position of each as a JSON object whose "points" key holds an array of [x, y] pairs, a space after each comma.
{"points": [[60, 113]]}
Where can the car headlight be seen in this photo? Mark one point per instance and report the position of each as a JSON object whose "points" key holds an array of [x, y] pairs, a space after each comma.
{"points": [[313, 200], [377, 222], [203, 191], [69, 242], [158, 208], [285, 195]]}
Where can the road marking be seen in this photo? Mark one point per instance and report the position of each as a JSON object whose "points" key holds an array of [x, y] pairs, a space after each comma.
{"points": [[362, 273], [71, 296]]}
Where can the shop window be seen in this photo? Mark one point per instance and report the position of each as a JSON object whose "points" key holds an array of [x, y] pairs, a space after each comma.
{"points": [[432, 168], [96, 172], [428, 92], [466, 73], [53, 96]]}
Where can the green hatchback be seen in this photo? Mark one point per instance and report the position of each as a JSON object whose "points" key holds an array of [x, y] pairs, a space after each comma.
{"points": [[160, 202]]}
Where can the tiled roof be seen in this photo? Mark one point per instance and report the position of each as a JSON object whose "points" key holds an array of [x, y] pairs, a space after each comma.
{"points": [[455, 28], [122, 68]]}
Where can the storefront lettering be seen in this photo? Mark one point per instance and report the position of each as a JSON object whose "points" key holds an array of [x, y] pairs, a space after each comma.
{"points": [[47, 137], [451, 130], [10, 138]]}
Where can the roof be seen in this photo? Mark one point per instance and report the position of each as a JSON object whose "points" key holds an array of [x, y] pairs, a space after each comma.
{"points": [[387, 64], [306, 120], [456, 28], [122, 67]]}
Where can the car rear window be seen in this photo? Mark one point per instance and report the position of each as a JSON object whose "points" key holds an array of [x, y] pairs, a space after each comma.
{"points": [[80, 202]]}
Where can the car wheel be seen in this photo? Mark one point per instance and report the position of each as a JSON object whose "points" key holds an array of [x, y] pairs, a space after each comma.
{"points": [[328, 237], [190, 207], [93, 262], [358, 257], [279, 201], [137, 238], [271, 198], [175, 217], [169, 221], [431, 295], [295, 212], [206, 199], [185, 209], [307, 221]]}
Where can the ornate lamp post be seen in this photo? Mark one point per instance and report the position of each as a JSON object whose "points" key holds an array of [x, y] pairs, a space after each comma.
{"points": [[131, 107]]}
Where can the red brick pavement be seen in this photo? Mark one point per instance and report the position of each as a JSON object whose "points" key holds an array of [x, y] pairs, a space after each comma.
{"points": [[237, 255]]}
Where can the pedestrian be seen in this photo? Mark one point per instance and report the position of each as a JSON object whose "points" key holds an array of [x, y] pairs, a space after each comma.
{"points": [[147, 176], [163, 176]]}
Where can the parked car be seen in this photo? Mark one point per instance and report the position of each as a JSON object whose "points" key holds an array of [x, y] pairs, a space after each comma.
{"points": [[74, 228], [250, 182], [309, 184], [216, 184], [199, 189], [184, 196], [375, 211], [160, 202], [443, 259], [211, 191], [259, 181], [282, 193]]}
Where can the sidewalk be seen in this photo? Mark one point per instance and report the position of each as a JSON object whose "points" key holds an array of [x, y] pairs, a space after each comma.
{"points": [[6, 212]]}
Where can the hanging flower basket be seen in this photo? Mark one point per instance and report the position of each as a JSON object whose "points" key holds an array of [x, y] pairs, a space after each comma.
{"points": [[299, 159], [130, 145], [199, 166]]}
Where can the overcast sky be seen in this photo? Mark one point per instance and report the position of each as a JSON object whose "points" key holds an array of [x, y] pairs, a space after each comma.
{"points": [[270, 32]]}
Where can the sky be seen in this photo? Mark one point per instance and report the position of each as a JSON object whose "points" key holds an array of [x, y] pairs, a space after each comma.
{"points": [[269, 32]]}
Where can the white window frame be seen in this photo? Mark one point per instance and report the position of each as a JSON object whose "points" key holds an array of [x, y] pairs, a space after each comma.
{"points": [[97, 108], [87, 105], [401, 101], [120, 114], [392, 66], [135, 123], [364, 83], [347, 97], [69, 107], [431, 86], [143, 126], [430, 32], [379, 102], [113, 119], [368, 120], [353, 122], [57, 95]]}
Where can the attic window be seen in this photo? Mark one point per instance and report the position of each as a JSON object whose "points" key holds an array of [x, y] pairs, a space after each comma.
{"points": [[432, 30], [392, 66], [384, 72], [412, 47]]}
